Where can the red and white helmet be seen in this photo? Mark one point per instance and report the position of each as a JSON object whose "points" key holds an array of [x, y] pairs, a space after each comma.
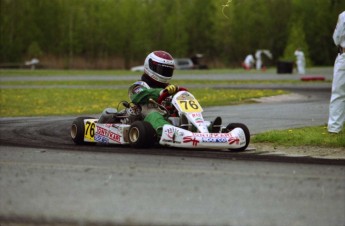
{"points": [[159, 66]]}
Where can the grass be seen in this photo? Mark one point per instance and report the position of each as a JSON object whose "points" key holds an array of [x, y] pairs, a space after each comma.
{"points": [[51, 72], [73, 97], [47, 72], [69, 101], [308, 136], [44, 102], [127, 82]]}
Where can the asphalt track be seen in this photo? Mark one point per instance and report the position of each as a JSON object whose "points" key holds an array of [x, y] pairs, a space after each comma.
{"points": [[46, 179]]}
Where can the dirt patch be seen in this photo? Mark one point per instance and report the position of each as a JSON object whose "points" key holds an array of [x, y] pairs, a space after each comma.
{"points": [[309, 151]]}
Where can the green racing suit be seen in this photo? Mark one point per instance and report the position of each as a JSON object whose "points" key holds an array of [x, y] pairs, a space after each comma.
{"points": [[141, 96]]}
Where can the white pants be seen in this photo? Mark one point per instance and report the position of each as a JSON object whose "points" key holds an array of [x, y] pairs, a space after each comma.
{"points": [[337, 104], [258, 64], [300, 67]]}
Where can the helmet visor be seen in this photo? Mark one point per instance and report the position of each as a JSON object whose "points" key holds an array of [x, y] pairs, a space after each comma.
{"points": [[162, 69]]}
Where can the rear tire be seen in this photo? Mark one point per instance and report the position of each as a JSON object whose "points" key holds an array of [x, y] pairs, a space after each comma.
{"points": [[141, 135], [78, 131], [232, 126]]}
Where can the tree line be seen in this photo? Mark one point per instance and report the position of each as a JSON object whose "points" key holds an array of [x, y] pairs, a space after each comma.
{"points": [[225, 31]]}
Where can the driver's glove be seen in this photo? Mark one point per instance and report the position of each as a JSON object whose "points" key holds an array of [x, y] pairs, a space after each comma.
{"points": [[171, 89]]}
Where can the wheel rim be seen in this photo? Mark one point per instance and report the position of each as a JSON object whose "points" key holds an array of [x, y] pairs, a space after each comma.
{"points": [[74, 131], [133, 135]]}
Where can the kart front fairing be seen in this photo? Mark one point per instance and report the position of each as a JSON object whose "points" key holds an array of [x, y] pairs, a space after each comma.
{"points": [[178, 137], [188, 107]]}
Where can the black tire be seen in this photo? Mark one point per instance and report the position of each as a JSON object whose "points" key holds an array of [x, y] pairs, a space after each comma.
{"points": [[78, 130], [141, 135], [232, 126]]}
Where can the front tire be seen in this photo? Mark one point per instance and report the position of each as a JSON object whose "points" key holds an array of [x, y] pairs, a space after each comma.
{"points": [[141, 135], [232, 126], [78, 130]]}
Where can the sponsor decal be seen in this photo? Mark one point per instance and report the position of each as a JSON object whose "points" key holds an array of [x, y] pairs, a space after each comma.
{"points": [[185, 96], [192, 139], [215, 140], [233, 140], [101, 131], [138, 89], [101, 139], [173, 132], [196, 115], [199, 120], [213, 135], [115, 137]]}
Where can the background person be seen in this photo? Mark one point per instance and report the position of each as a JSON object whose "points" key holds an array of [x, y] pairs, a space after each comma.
{"points": [[248, 62], [337, 103], [258, 59], [300, 61], [258, 56]]}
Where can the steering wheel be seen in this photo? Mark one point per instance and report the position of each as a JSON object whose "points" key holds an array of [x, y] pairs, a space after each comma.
{"points": [[165, 94]]}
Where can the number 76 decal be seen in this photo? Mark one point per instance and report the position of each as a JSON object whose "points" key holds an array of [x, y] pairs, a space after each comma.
{"points": [[89, 130], [189, 106]]}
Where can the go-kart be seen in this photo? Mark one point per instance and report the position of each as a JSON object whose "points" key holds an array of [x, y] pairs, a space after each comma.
{"points": [[188, 129]]}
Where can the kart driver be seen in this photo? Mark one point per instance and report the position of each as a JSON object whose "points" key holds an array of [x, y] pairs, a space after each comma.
{"points": [[158, 70]]}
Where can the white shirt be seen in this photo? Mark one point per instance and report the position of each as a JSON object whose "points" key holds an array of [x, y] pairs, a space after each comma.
{"points": [[249, 60], [339, 32], [300, 55], [258, 54]]}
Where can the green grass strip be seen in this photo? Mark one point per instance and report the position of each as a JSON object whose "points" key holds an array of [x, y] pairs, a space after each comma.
{"points": [[44, 102], [52, 72], [317, 136], [47, 72], [72, 72], [184, 83]]}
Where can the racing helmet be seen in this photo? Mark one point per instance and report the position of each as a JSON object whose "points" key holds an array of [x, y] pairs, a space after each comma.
{"points": [[159, 67]]}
